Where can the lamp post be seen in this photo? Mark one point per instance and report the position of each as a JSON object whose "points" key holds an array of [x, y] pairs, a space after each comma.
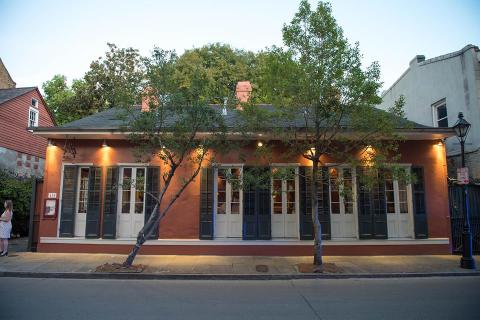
{"points": [[461, 128]]}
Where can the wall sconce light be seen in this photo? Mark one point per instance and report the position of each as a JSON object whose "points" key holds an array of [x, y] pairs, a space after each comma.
{"points": [[104, 144], [439, 143], [259, 144], [50, 143]]}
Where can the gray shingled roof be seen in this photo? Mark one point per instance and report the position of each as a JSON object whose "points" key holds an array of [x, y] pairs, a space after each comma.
{"points": [[9, 94], [111, 119]]}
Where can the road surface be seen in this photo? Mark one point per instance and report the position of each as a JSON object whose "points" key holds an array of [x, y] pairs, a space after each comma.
{"points": [[407, 298]]}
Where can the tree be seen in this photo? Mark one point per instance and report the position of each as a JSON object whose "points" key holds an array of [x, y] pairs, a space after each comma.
{"points": [[221, 67], [180, 129], [319, 88], [59, 97], [111, 80]]}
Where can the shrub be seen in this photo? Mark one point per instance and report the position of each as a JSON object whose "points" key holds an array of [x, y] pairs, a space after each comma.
{"points": [[19, 190]]}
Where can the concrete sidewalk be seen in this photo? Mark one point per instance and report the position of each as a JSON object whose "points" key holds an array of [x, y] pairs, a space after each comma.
{"points": [[19, 263]]}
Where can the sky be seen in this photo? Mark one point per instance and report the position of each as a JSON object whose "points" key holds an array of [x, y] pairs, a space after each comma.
{"points": [[39, 39]]}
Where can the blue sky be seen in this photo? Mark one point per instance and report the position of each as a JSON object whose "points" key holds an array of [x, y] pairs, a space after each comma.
{"points": [[39, 39]]}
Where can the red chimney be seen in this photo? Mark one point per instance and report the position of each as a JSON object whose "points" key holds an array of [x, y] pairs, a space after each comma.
{"points": [[243, 91]]}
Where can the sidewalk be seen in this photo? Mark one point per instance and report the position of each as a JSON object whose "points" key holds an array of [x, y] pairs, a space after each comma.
{"points": [[68, 265]]}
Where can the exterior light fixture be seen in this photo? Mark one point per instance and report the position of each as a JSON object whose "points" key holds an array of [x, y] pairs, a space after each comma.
{"points": [[50, 143], [104, 144], [260, 144], [461, 128]]}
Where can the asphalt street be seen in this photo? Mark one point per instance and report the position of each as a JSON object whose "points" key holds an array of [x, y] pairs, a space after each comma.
{"points": [[402, 298]]}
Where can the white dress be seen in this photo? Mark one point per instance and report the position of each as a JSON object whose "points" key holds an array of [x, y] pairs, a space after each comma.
{"points": [[5, 227]]}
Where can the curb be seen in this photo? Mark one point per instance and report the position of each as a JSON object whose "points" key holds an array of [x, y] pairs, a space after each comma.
{"points": [[153, 276]]}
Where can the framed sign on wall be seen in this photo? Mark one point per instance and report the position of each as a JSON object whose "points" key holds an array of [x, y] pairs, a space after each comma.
{"points": [[50, 208]]}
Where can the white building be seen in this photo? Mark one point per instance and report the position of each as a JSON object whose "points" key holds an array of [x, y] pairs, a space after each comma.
{"points": [[435, 91]]}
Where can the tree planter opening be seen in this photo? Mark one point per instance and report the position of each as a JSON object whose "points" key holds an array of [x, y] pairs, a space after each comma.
{"points": [[120, 268], [324, 268]]}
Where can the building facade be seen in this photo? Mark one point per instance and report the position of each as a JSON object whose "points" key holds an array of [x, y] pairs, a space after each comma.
{"points": [[89, 209], [21, 152], [436, 90]]}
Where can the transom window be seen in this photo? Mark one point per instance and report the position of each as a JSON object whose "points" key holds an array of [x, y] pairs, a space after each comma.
{"points": [[32, 117], [440, 114]]}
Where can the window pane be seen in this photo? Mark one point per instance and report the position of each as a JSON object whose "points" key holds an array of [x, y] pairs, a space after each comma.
{"points": [[348, 208], [235, 196], [291, 208], [290, 185], [139, 207], [335, 196], [235, 173], [335, 207], [277, 208], [222, 196], [221, 209], [390, 196], [443, 123], [390, 207], [235, 208], [441, 112], [277, 185], [291, 196], [403, 207]]}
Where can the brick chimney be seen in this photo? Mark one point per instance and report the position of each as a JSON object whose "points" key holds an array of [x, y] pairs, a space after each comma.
{"points": [[243, 91], [146, 100]]}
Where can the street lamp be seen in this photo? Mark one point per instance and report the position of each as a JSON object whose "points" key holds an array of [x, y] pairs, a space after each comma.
{"points": [[461, 128]]}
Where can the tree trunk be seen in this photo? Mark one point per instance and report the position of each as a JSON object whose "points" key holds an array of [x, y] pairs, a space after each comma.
{"points": [[317, 256], [143, 235]]}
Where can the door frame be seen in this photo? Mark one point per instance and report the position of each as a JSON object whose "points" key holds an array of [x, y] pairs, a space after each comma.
{"points": [[342, 205], [215, 198], [132, 195], [296, 167]]}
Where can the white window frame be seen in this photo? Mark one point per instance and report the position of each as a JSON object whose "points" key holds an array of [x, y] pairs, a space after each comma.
{"points": [[435, 106], [34, 103], [34, 111]]}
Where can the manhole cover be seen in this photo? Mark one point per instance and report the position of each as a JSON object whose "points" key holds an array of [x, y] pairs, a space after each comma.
{"points": [[261, 268]]}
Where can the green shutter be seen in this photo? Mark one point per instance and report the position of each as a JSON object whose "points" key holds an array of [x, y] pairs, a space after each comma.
{"points": [[69, 197], [419, 208], [372, 211], [206, 204], [257, 220], [263, 207], [153, 187], [92, 229], [306, 223], [110, 204], [323, 195]]}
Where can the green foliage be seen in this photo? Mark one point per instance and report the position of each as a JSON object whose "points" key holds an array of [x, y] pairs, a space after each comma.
{"points": [[111, 80], [18, 190], [219, 65]]}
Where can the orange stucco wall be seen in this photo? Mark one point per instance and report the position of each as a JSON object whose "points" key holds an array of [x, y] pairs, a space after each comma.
{"points": [[182, 220]]}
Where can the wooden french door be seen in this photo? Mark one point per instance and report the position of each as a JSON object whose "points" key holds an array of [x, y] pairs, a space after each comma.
{"points": [[131, 205], [342, 206], [398, 199], [285, 207], [82, 201], [228, 217]]}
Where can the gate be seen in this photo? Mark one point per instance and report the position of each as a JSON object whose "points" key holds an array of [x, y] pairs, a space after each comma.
{"points": [[35, 213], [457, 214]]}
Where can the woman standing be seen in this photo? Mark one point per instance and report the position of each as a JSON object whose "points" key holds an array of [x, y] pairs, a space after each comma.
{"points": [[6, 227]]}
